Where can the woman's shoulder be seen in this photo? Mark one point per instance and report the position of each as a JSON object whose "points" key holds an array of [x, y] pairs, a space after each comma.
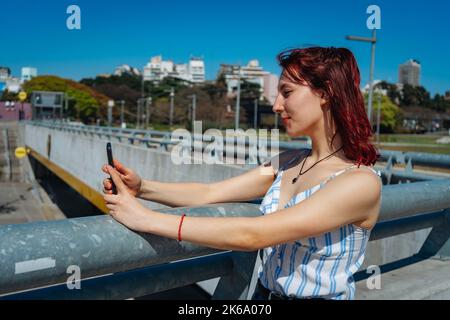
{"points": [[364, 180]]}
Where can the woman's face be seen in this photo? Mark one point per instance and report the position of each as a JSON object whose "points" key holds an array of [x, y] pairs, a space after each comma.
{"points": [[299, 107]]}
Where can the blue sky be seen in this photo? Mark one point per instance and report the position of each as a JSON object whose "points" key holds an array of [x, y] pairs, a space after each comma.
{"points": [[34, 33]]}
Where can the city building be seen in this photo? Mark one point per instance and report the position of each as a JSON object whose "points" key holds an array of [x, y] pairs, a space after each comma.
{"points": [[103, 75], [447, 95], [15, 111], [196, 70], [12, 84], [376, 88], [252, 72], [409, 73], [126, 69], [5, 73], [158, 69], [28, 73], [271, 87]]}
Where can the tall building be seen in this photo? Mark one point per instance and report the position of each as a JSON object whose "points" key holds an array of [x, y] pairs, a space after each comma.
{"points": [[28, 73], [196, 70], [409, 73], [126, 69], [5, 73], [252, 72], [12, 84], [158, 69], [271, 87]]}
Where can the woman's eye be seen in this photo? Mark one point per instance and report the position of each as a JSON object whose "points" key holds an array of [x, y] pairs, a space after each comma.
{"points": [[286, 93]]}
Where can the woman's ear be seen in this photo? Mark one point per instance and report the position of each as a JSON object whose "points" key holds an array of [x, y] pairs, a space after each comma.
{"points": [[323, 99]]}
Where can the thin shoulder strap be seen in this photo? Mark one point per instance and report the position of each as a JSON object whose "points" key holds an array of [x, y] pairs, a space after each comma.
{"points": [[334, 175]]}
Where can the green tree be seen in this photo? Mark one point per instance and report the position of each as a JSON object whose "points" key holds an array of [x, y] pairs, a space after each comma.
{"points": [[389, 115], [87, 104], [9, 96]]}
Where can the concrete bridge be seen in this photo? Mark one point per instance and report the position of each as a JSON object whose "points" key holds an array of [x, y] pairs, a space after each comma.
{"points": [[410, 243]]}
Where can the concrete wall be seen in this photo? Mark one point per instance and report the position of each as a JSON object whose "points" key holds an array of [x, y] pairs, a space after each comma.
{"points": [[83, 155]]}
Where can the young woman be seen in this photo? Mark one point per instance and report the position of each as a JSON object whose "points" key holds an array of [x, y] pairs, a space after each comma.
{"points": [[320, 204]]}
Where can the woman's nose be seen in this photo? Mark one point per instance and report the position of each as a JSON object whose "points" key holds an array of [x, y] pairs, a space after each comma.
{"points": [[278, 105]]}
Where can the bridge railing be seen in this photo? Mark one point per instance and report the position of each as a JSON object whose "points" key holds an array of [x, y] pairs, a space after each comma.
{"points": [[253, 151], [37, 259], [163, 140]]}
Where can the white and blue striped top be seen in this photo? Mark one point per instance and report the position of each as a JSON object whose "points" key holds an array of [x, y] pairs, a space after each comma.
{"points": [[321, 266]]}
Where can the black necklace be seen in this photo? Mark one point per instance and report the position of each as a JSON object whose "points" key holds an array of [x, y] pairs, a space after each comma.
{"points": [[300, 173]]}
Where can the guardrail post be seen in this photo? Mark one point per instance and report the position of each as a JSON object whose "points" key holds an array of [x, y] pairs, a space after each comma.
{"points": [[409, 166], [437, 244], [236, 285]]}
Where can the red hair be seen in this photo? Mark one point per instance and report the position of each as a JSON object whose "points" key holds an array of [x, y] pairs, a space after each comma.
{"points": [[333, 74]]}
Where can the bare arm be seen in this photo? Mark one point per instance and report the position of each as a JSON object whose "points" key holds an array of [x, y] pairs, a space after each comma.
{"points": [[322, 212], [247, 186]]}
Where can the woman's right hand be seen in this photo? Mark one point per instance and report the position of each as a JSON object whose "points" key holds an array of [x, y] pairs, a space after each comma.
{"points": [[131, 180]]}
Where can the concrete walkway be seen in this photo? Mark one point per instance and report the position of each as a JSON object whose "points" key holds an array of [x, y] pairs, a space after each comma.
{"points": [[22, 199], [414, 280]]}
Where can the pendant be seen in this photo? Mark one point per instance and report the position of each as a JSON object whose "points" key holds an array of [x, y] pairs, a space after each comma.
{"points": [[294, 180]]}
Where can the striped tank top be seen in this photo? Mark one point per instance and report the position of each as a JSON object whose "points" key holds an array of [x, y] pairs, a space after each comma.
{"points": [[321, 266]]}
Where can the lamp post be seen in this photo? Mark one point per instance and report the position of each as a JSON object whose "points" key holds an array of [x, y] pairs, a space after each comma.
{"points": [[138, 116], [378, 118], [194, 107], [238, 101], [255, 112], [148, 103], [373, 41], [110, 106], [172, 95], [122, 105]]}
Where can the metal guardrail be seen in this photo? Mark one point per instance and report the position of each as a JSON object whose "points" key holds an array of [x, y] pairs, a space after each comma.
{"points": [[117, 263], [163, 140], [38, 254]]}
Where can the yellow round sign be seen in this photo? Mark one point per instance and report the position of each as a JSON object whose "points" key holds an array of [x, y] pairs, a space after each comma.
{"points": [[20, 152], [22, 96]]}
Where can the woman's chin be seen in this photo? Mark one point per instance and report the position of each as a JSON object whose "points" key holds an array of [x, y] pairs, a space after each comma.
{"points": [[294, 134]]}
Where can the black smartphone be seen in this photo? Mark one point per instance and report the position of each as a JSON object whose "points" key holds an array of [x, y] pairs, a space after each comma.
{"points": [[111, 163]]}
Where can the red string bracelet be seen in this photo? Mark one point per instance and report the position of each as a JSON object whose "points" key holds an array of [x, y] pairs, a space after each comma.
{"points": [[179, 227]]}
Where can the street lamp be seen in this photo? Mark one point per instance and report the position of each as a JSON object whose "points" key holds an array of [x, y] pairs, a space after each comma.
{"points": [[148, 103], [122, 123], [238, 100], [255, 112], [110, 106], [143, 103], [172, 95], [373, 41], [194, 107], [378, 116]]}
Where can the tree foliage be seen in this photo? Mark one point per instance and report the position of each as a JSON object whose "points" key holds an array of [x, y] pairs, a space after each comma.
{"points": [[86, 103]]}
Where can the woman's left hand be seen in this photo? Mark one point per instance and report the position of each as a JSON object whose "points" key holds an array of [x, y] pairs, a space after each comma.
{"points": [[125, 208]]}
